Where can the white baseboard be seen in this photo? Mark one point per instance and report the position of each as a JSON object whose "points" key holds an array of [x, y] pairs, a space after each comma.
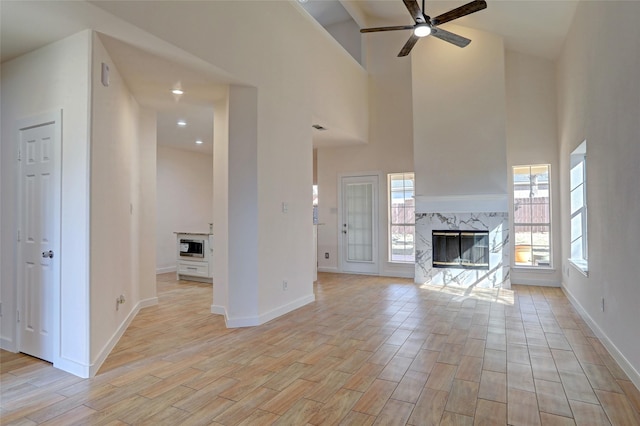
{"points": [[166, 270], [536, 282], [219, 310], [398, 274], [263, 318], [8, 345], [73, 367], [106, 350], [385, 273], [626, 366], [291, 306]]}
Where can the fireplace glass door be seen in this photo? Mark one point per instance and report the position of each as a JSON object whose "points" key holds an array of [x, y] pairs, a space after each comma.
{"points": [[460, 249]]}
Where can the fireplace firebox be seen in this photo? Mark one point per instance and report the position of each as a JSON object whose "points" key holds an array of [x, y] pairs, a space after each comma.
{"points": [[460, 249]]}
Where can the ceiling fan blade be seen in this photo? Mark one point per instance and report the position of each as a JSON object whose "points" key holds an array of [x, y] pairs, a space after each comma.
{"points": [[398, 27], [459, 12], [409, 45], [414, 10], [450, 37]]}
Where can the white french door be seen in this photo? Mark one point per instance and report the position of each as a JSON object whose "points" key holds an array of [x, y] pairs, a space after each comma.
{"points": [[359, 224], [39, 235]]}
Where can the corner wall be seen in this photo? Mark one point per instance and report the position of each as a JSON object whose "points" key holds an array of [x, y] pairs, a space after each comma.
{"points": [[599, 100], [54, 77], [118, 136], [459, 109], [388, 149], [295, 77], [532, 138]]}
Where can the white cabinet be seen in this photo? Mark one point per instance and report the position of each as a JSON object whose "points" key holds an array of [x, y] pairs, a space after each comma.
{"points": [[196, 265], [195, 269]]}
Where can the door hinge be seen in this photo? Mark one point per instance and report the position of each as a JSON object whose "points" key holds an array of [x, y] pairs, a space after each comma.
{"points": [[19, 155], [18, 316], [18, 235]]}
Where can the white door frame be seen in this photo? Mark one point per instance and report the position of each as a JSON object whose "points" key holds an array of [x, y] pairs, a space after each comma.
{"points": [[376, 219], [55, 118]]}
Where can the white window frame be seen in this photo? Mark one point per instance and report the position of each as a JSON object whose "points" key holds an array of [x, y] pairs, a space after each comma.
{"points": [[533, 224], [579, 157], [391, 224]]}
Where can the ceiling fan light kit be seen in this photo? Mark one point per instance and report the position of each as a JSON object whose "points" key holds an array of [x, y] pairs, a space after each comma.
{"points": [[425, 25], [422, 30]]}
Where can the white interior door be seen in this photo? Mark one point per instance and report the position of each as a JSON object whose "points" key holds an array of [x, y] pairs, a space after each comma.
{"points": [[359, 224], [38, 236]]}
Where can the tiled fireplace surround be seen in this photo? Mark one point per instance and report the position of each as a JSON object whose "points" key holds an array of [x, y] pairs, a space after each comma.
{"points": [[467, 213]]}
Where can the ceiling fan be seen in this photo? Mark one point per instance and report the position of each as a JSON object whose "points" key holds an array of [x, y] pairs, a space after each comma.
{"points": [[426, 25]]}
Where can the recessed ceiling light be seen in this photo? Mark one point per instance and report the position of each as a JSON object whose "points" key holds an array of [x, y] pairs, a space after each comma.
{"points": [[177, 91], [182, 123], [199, 142]]}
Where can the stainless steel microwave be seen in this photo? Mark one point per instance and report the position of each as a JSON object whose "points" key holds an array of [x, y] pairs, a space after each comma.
{"points": [[192, 247]]}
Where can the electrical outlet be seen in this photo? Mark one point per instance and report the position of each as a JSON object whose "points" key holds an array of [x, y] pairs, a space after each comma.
{"points": [[119, 301], [326, 255], [285, 285]]}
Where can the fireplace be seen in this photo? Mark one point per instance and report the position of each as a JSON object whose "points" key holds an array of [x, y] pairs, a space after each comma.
{"points": [[460, 249], [472, 253]]}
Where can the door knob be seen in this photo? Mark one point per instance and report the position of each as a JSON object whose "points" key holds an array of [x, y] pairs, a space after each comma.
{"points": [[48, 254]]}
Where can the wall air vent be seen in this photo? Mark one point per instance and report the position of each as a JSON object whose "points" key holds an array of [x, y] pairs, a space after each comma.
{"points": [[318, 127]]}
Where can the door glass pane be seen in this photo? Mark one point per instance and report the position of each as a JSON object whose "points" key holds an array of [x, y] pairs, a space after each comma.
{"points": [[359, 222]]}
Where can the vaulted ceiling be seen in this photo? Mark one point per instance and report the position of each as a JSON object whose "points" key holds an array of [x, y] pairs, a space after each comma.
{"points": [[536, 27]]}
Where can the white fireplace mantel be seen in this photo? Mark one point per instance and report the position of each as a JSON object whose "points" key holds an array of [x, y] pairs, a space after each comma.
{"points": [[483, 203]]}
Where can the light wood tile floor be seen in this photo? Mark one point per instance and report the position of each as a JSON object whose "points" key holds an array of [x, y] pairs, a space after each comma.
{"points": [[370, 350]]}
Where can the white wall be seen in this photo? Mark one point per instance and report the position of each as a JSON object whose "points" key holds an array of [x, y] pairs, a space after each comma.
{"points": [[389, 148], [348, 35], [221, 206], [55, 77], [146, 212], [459, 116], [184, 200], [295, 77], [116, 169], [599, 100], [532, 138]]}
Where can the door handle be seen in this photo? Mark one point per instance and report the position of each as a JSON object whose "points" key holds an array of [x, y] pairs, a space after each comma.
{"points": [[48, 254]]}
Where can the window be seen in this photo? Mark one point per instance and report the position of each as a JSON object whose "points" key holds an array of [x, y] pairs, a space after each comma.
{"points": [[402, 218], [578, 182], [532, 216]]}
